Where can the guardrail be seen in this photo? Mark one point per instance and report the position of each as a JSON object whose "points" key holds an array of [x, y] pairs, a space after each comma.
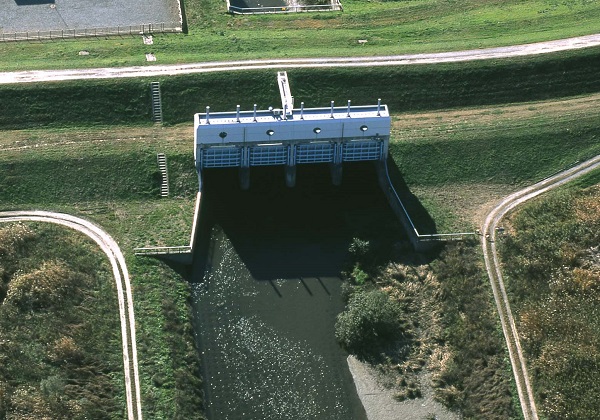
{"points": [[132, 30], [334, 6], [175, 250], [163, 250], [439, 237]]}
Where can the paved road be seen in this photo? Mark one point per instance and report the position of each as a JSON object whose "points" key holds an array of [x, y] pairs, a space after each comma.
{"points": [[493, 267], [392, 60], [121, 275]]}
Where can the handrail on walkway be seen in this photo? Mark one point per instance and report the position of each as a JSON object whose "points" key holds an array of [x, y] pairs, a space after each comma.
{"points": [[163, 250], [455, 236], [175, 250]]}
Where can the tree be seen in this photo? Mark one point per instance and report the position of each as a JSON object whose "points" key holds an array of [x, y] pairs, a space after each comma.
{"points": [[371, 320]]}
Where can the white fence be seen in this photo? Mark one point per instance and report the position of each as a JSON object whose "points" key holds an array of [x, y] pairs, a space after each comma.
{"points": [[150, 28]]}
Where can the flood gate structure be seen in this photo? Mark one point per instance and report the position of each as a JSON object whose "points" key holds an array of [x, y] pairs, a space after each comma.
{"points": [[290, 136]]}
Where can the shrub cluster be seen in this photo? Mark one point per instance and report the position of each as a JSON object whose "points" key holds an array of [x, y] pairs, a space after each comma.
{"points": [[371, 321], [60, 354]]}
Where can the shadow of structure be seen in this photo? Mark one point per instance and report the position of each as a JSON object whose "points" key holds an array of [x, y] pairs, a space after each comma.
{"points": [[305, 231], [423, 222], [33, 2]]}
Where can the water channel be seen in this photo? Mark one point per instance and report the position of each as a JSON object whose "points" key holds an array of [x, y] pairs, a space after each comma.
{"points": [[267, 289]]}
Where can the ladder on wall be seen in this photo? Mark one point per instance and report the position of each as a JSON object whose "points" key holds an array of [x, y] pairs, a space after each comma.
{"points": [[162, 165], [156, 102]]}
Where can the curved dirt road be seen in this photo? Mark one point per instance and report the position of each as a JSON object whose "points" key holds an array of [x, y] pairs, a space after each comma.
{"points": [[121, 275], [493, 267], [392, 60]]}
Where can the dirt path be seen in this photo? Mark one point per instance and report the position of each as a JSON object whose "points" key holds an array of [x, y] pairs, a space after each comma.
{"points": [[517, 359], [121, 275], [281, 64]]}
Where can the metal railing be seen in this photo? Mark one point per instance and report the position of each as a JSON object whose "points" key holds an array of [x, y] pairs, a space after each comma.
{"points": [[163, 250], [175, 250], [131, 30], [458, 236]]}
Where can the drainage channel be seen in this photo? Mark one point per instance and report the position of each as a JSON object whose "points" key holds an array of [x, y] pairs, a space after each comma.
{"points": [[267, 292]]}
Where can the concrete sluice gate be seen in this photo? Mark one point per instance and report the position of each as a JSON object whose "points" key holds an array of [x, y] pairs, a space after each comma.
{"points": [[290, 136]]}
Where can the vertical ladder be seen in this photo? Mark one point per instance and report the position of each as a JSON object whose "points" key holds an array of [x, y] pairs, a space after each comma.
{"points": [[156, 102], [162, 165]]}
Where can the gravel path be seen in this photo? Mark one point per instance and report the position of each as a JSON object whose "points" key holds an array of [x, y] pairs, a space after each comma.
{"points": [[121, 275], [493, 267], [282, 64]]}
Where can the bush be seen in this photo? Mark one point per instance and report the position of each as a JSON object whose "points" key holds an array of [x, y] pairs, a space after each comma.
{"points": [[370, 321], [46, 287], [358, 275]]}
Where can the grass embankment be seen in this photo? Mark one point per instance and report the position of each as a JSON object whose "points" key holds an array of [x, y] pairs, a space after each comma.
{"points": [[403, 89], [552, 260], [390, 27], [458, 163], [60, 341], [111, 177]]}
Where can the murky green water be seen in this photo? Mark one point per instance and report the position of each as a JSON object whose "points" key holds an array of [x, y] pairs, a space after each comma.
{"points": [[266, 299]]}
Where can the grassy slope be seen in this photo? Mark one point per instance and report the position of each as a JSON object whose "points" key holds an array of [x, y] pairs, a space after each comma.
{"points": [[407, 88], [551, 258], [466, 148], [391, 27], [467, 159]]}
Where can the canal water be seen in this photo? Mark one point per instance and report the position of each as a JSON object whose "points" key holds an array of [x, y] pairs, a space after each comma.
{"points": [[267, 290]]}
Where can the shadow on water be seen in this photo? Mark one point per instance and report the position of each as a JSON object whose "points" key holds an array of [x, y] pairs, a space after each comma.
{"points": [[267, 289], [303, 231]]}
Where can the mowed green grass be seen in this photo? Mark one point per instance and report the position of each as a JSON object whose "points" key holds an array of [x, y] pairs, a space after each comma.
{"points": [[458, 162], [390, 27], [403, 89], [462, 151]]}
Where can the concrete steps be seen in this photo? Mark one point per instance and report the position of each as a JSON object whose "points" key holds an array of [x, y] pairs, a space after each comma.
{"points": [[162, 165], [156, 102]]}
